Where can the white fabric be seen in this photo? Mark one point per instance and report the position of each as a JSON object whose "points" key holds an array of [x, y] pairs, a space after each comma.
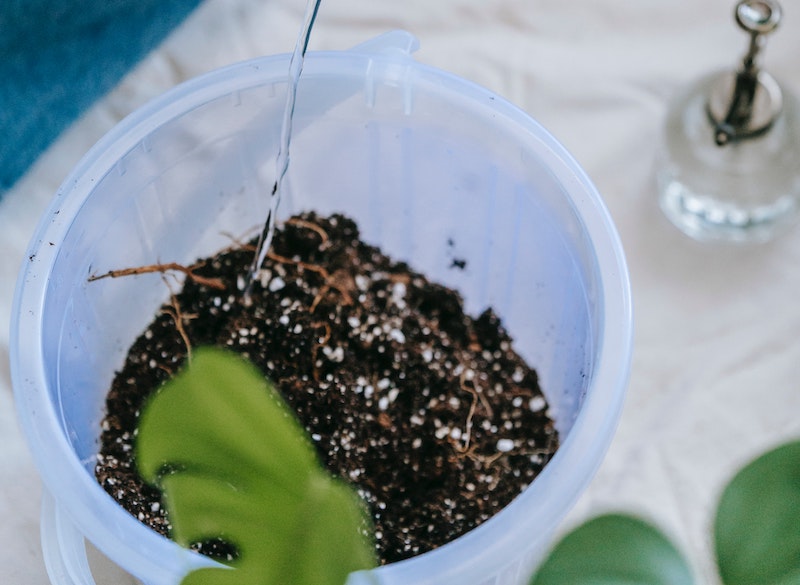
{"points": [[716, 360]]}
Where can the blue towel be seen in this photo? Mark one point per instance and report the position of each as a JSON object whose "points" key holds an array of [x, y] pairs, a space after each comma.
{"points": [[58, 56]]}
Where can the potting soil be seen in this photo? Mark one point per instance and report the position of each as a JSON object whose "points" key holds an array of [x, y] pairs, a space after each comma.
{"points": [[428, 412]]}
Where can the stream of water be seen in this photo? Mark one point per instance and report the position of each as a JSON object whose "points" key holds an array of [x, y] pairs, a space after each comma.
{"points": [[282, 160]]}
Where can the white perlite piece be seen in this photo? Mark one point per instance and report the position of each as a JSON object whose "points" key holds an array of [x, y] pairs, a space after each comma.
{"points": [[505, 445], [536, 403], [276, 284]]}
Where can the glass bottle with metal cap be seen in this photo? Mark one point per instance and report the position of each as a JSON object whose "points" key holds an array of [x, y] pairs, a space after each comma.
{"points": [[730, 164]]}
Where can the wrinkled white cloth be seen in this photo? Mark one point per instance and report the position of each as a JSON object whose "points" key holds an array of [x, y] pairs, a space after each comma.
{"points": [[717, 357]]}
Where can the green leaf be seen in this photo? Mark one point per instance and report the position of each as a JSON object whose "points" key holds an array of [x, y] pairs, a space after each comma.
{"points": [[757, 528], [234, 463], [614, 550]]}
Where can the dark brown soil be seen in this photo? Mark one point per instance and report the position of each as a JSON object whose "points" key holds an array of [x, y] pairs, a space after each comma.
{"points": [[428, 412]]}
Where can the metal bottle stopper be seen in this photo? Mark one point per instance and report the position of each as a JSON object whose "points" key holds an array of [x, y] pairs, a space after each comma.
{"points": [[743, 104]]}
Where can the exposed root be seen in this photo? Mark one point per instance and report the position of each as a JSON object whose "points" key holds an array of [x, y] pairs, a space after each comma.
{"points": [[174, 311], [464, 449], [299, 263], [214, 283], [337, 280], [311, 226]]}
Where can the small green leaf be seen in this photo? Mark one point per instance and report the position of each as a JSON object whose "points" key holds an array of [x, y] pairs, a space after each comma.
{"points": [[757, 528], [234, 463], [614, 550]]}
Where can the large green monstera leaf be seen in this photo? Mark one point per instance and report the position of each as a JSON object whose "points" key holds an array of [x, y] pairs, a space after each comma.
{"points": [[614, 549], [234, 464], [757, 528], [756, 537]]}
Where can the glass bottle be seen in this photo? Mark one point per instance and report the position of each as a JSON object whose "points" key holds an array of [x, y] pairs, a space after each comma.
{"points": [[730, 163]]}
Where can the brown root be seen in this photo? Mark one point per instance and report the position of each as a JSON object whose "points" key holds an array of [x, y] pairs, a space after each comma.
{"points": [[214, 283]]}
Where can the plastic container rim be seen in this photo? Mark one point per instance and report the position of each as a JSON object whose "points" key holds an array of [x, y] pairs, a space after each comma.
{"points": [[62, 471]]}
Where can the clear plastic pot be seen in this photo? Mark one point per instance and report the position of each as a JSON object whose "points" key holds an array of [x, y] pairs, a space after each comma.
{"points": [[430, 166]]}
